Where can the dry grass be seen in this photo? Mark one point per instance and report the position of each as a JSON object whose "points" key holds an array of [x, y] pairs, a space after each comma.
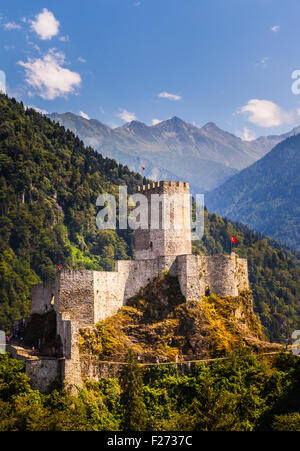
{"points": [[159, 323]]}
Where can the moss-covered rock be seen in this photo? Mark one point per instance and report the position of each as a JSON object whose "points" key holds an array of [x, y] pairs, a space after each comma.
{"points": [[159, 324]]}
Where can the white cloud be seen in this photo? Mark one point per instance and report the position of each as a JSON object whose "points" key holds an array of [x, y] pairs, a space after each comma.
{"points": [[263, 62], [64, 38], [12, 26], [155, 121], [35, 46], [167, 95], [84, 115], [39, 110], [45, 25], [275, 28], [81, 60], [113, 125], [266, 113], [127, 116], [47, 76], [246, 135]]}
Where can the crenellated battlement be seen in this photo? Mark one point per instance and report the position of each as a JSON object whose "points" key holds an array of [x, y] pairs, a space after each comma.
{"points": [[164, 187]]}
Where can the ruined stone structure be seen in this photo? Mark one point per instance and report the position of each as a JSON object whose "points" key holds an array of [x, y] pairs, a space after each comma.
{"points": [[83, 298], [172, 234]]}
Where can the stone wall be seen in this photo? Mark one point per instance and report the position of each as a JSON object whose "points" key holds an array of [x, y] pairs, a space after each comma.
{"points": [[76, 296], [190, 275], [171, 208], [71, 373], [63, 330], [223, 275], [242, 274], [88, 297], [141, 272], [42, 295], [109, 288], [44, 372], [221, 271], [112, 289]]}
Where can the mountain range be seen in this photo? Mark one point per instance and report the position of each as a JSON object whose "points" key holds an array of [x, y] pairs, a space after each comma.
{"points": [[266, 195], [173, 149]]}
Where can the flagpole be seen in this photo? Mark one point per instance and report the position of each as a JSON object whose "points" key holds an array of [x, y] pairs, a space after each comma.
{"points": [[232, 241]]}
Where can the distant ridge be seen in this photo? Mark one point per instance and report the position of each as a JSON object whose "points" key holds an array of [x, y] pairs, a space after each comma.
{"points": [[266, 195], [206, 157]]}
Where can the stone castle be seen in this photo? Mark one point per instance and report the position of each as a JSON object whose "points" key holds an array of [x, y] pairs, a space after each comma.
{"points": [[81, 299]]}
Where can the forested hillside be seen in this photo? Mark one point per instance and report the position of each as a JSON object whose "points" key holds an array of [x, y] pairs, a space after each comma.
{"points": [[266, 195], [49, 183], [239, 394]]}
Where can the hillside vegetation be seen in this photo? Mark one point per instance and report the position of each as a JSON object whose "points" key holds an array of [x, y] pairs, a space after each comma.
{"points": [[239, 394], [266, 195], [49, 183]]}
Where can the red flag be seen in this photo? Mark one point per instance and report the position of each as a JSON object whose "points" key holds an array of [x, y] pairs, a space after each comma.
{"points": [[234, 239], [143, 168]]}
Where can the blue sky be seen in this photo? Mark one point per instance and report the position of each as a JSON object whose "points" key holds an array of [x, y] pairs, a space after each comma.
{"points": [[229, 62]]}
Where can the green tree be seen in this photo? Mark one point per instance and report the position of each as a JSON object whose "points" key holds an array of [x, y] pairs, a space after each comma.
{"points": [[289, 422], [135, 414]]}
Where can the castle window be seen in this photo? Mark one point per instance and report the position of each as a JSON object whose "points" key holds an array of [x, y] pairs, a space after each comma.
{"points": [[151, 245]]}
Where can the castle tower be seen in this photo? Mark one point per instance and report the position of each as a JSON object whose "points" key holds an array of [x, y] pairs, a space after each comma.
{"points": [[169, 222]]}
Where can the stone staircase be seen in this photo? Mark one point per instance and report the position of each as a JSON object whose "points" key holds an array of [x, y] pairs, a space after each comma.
{"points": [[21, 352]]}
